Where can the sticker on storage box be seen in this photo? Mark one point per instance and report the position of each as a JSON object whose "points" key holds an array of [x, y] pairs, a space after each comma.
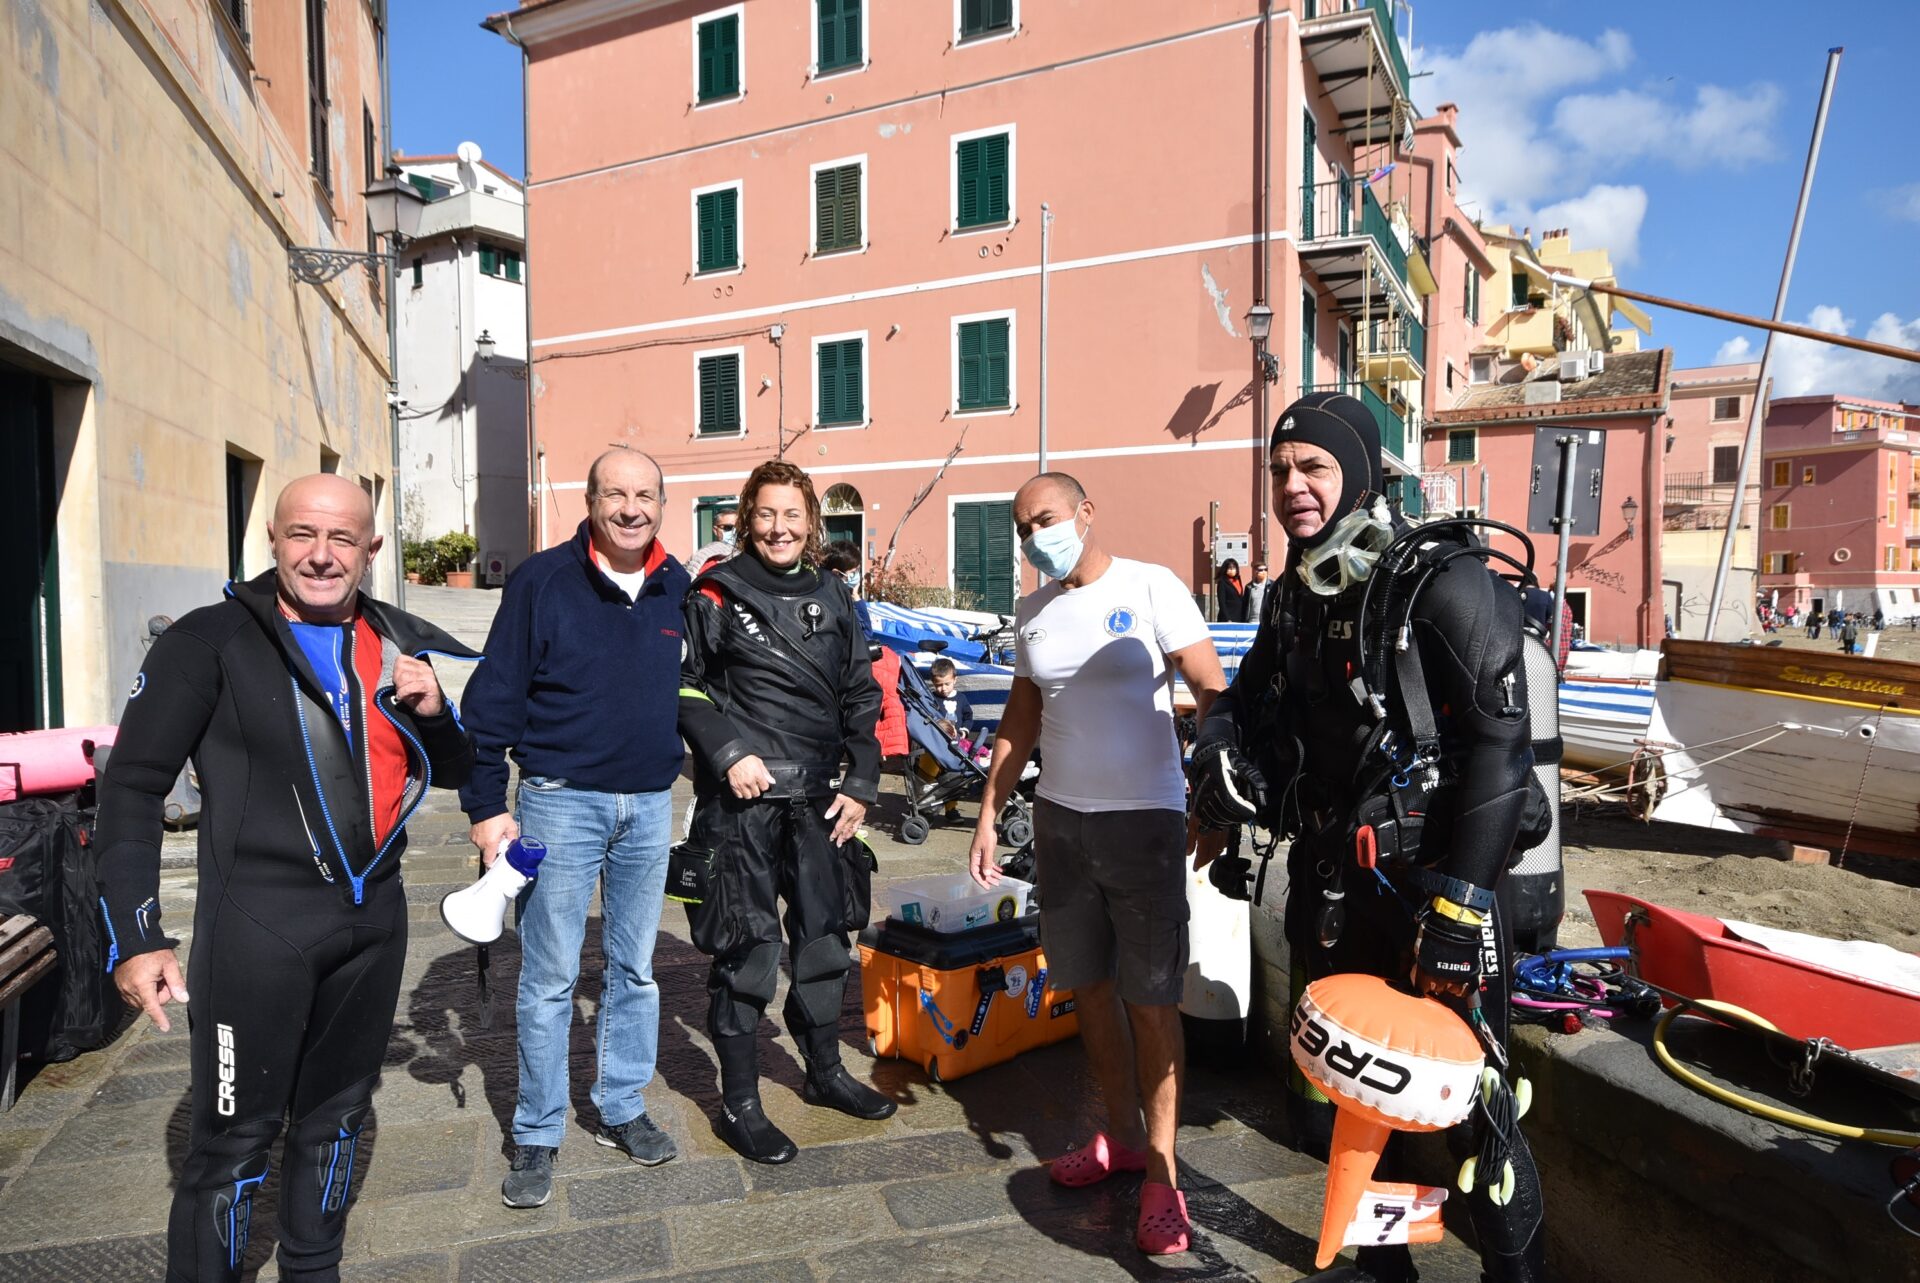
{"points": [[1034, 992], [1016, 980]]}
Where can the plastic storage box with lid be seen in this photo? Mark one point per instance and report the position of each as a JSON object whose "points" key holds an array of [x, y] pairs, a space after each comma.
{"points": [[949, 902], [958, 1002]]}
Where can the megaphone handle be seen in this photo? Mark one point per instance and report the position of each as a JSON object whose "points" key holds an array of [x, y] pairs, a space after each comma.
{"points": [[483, 961]]}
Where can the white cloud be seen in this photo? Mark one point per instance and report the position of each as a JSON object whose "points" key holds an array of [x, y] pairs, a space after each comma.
{"points": [[1902, 203], [1609, 216], [1552, 130], [1805, 367]]}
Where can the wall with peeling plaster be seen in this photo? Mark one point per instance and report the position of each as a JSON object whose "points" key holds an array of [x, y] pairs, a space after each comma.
{"points": [[150, 182]]}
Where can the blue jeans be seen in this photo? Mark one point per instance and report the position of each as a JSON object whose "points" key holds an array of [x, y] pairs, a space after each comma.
{"points": [[620, 841]]}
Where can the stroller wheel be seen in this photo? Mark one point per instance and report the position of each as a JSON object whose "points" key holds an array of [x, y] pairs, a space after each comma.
{"points": [[913, 830], [1017, 832]]}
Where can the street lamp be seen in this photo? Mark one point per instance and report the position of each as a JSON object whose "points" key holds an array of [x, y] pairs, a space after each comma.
{"points": [[1629, 508], [393, 211], [1260, 329], [485, 345]]}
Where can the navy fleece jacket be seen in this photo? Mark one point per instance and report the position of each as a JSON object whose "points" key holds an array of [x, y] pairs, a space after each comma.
{"points": [[579, 684]]}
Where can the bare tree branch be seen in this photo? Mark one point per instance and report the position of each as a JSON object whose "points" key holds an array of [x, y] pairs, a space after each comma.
{"points": [[920, 497]]}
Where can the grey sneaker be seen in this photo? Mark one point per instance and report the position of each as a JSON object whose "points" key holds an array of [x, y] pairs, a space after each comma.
{"points": [[530, 1182], [643, 1142]]}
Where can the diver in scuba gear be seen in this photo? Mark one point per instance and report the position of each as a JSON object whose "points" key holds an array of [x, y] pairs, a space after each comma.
{"points": [[776, 691], [1395, 753]]}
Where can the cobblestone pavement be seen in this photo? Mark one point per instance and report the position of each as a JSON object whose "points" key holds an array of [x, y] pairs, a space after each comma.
{"points": [[950, 1188]]}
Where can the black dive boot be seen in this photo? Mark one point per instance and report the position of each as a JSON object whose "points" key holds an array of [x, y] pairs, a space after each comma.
{"points": [[742, 1123], [828, 1082]]}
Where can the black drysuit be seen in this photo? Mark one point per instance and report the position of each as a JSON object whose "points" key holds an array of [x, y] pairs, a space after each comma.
{"points": [[777, 666], [1295, 710], [300, 928]]}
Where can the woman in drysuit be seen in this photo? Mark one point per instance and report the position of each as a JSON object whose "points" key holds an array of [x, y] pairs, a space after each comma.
{"points": [[776, 693], [1416, 763]]}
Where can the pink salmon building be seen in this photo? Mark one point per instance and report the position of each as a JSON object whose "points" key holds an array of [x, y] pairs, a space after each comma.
{"points": [[1840, 507], [815, 228]]}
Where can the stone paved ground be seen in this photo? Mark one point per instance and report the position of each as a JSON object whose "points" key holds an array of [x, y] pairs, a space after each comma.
{"points": [[948, 1189]]}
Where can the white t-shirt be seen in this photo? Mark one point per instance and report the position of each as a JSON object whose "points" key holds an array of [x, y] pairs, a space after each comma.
{"points": [[1098, 654], [627, 581]]}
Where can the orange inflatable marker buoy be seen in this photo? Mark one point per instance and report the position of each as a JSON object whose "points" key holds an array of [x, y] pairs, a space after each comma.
{"points": [[1389, 1062]]}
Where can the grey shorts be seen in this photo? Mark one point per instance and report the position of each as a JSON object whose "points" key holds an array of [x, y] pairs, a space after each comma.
{"points": [[1113, 899]]}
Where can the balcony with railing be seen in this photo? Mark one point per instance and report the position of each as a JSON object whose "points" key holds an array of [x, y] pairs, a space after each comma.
{"points": [[1353, 48], [1392, 425], [1342, 215], [1393, 347]]}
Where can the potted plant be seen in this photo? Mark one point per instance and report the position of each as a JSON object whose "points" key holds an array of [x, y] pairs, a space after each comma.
{"points": [[454, 552], [422, 565]]}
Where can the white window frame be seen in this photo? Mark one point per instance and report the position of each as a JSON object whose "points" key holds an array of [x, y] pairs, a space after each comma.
{"points": [[813, 180], [813, 52], [701, 355], [694, 25], [1013, 365], [968, 42], [866, 385], [739, 229], [953, 180], [1582, 617], [1472, 362], [998, 496]]}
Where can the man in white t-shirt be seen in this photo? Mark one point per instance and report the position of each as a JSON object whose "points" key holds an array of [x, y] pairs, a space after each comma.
{"points": [[1095, 652]]}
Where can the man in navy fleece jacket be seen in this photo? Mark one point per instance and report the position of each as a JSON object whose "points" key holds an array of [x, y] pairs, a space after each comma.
{"points": [[581, 685]]}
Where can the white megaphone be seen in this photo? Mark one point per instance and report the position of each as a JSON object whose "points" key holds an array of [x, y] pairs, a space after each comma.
{"points": [[479, 913]]}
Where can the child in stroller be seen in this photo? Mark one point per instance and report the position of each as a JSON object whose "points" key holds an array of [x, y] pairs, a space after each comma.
{"points": [[949, 759]]}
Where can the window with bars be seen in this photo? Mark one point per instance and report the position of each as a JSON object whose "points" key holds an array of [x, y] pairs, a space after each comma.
{"points": [[981, 185], [717, 218], [1726, 464], [719, 40], [1726, 407], [237, 10], [719, 394], [985, 365], [1463, 445], [840, 43], [985, 17], [320, 157], [836, 209], [841, 384]]}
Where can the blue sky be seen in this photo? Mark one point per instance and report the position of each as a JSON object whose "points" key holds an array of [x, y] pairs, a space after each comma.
{"points": [[1673, 134]]}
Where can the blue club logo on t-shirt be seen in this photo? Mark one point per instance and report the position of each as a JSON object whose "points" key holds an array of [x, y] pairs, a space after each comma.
{"points": [[1120, 621]]}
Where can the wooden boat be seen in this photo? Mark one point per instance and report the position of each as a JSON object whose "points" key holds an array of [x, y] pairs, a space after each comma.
{"points": [[54, 761], [1606, 705], [1813, 747]]}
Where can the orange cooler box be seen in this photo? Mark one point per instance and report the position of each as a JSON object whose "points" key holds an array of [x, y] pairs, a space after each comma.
{"points": [[960, 1001]]}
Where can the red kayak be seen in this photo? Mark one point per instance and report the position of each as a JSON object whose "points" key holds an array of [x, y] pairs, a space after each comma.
{"points": [[56, 761], [1695, 955]]}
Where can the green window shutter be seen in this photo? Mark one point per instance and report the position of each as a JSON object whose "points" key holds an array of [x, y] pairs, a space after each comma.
{"points": [[1460, 446], [998, 540], [719, 394], [836, 209], [839, 22], [972, 363], [720, 57], [852, 395], [488, 258], [969, 559], [983, 181], [423, 185], [513, 263], [1519, 288], [719, 230], [996, 387], [828, 375], [978, 17], [419, 270]]}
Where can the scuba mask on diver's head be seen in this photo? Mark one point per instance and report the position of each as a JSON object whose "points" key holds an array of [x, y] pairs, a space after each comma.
{"points": [[1347, 556]]}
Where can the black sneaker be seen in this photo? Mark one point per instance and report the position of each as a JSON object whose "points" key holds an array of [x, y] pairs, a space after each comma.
{"points": [[530, 1182], [643, 1142]]}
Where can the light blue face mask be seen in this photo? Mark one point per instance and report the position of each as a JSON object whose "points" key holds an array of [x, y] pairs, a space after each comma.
{"points": [[1054, 550]]}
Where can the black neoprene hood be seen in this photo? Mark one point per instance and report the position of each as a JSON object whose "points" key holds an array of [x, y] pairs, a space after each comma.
{"points": [[1343, 427]]}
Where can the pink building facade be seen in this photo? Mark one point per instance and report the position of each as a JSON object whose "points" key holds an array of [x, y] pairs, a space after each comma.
{"points": [[1614, 577], [814, 227], [1840, 507]]}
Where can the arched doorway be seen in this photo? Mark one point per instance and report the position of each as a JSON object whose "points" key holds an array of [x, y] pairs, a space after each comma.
{"points": [[845, 516]]}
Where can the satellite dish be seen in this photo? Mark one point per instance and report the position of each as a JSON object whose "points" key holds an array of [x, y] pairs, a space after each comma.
{"points": [[469, 153]]}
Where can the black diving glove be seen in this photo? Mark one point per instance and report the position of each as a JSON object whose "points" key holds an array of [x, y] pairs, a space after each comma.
{"points": [[1228, 790], [1447, 948]]}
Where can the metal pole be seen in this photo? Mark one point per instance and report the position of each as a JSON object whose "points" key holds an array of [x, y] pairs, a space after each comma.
{"points": [[1758, 417], [1213, 538], [1563, 522], [1262, 413], [1486, 496], [1046, 248], [390, 307]]}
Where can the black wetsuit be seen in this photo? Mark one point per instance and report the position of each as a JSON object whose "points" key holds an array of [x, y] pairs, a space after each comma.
{"points": [[1294, 708], [777, 666], [300, 926]]}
